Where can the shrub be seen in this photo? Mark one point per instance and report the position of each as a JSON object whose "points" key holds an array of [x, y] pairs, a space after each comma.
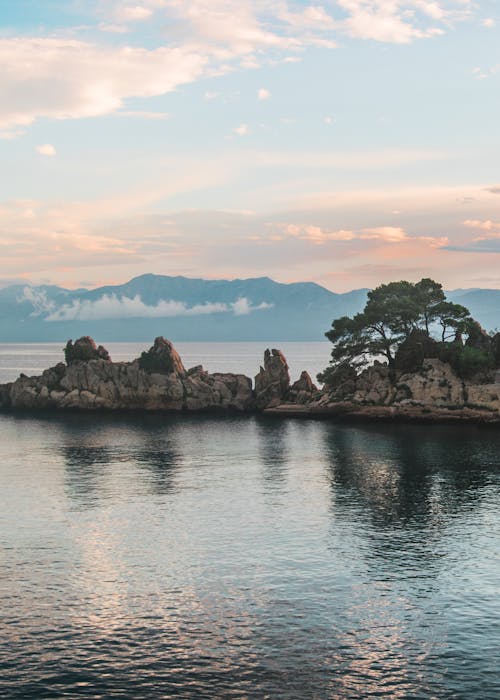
{"points": [[466, 361]]}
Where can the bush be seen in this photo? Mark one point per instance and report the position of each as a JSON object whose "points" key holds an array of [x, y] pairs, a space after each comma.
{"points": [[466, 361], [334, 376], [156, 363]]}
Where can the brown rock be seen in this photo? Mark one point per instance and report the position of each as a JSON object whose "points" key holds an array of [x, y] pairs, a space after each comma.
{"points": [[163, 358], [273, 381]]}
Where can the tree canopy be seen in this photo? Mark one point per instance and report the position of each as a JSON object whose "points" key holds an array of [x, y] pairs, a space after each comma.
{"points": [[392, 313]]}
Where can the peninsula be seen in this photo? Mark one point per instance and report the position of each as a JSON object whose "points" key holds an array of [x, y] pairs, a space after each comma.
{"points": [[386, 365], [158, 381]]}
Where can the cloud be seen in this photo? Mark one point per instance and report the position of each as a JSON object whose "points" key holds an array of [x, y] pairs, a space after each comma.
{"points": [[70, 79], [46, 149], [113, 28], [38, 299], [263, 94], [486, 225], [57, 77], [386, 234], [133, 13], [142, 114], [242, 307], [489, 23], [242, 130], [110, 306]]}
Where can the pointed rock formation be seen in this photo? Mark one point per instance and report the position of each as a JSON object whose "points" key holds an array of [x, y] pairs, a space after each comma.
{"points": [[273, 381], [162, 358]]}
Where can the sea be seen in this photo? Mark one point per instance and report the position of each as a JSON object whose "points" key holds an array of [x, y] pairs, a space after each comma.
{"points": [[169, 556]]}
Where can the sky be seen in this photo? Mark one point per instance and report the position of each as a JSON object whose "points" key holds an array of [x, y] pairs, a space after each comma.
{"points": [[345, 142]]}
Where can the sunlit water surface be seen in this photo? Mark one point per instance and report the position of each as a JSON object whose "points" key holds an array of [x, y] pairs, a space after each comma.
{"points": [[198, 557]]}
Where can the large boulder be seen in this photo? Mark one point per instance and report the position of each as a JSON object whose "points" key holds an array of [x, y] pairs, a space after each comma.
{"points": [[162, 358], [83, 350], [272, 383], [416, 348]]}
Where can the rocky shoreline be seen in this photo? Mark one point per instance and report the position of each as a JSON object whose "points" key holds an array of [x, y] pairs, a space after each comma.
{"points": [[158, 381]]}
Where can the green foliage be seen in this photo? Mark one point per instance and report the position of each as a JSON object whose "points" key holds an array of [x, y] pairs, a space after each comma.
{"points": [[392, 314], [158, 363], [336, 375], [466, 361]]}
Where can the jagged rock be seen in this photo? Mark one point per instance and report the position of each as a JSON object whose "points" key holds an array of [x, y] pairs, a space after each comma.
{"points": [[101, 384], [302, 390], [162, 358], [435, 385], [375, 385], [272, 383], [412, 352], [83, 350]]}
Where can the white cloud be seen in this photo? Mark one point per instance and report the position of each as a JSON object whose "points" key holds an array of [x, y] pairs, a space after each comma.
{"points": [[68, 79], [38, 299], [46, 149], [110, 306], [400, 21], [61, 78], [113, 28], [242, 306], [486, 225], [489, 23], [318, 235], [242, 130], [141, 114], [132, 13], [263, 94]]}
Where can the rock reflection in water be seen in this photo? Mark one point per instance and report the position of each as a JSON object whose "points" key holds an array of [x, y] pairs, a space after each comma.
{"points": [[163, 556]]}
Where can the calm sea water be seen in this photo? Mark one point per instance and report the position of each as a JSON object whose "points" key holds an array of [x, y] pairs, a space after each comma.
{"points": [[192, 557]]}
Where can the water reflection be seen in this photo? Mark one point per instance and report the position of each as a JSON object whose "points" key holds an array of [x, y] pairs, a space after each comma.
{"points": [[274, 451], [194, 557], [93, 454], [405, 477], [85, 471]]}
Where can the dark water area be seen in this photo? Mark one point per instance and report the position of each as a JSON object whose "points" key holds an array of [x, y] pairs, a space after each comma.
{"points": [[197, 557]]}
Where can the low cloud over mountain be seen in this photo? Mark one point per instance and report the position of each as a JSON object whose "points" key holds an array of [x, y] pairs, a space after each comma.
{"points": [[193, 309]]}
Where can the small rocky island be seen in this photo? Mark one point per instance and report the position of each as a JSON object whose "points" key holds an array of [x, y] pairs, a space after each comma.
{"points": [[386, 364], [156, 381]]}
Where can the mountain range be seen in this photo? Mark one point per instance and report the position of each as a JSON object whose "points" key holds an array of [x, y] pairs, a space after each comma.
{"points": [[184, 309]]}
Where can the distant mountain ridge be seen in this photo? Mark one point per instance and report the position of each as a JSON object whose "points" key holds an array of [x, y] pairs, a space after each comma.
{"points": [[185, 309]]}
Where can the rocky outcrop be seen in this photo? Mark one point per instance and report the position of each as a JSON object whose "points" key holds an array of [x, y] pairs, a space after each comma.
{"points": [[158, 381], [272, 383], [303, 390], [162, 358], [161, 383], [83, 350], [416, 348]]}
